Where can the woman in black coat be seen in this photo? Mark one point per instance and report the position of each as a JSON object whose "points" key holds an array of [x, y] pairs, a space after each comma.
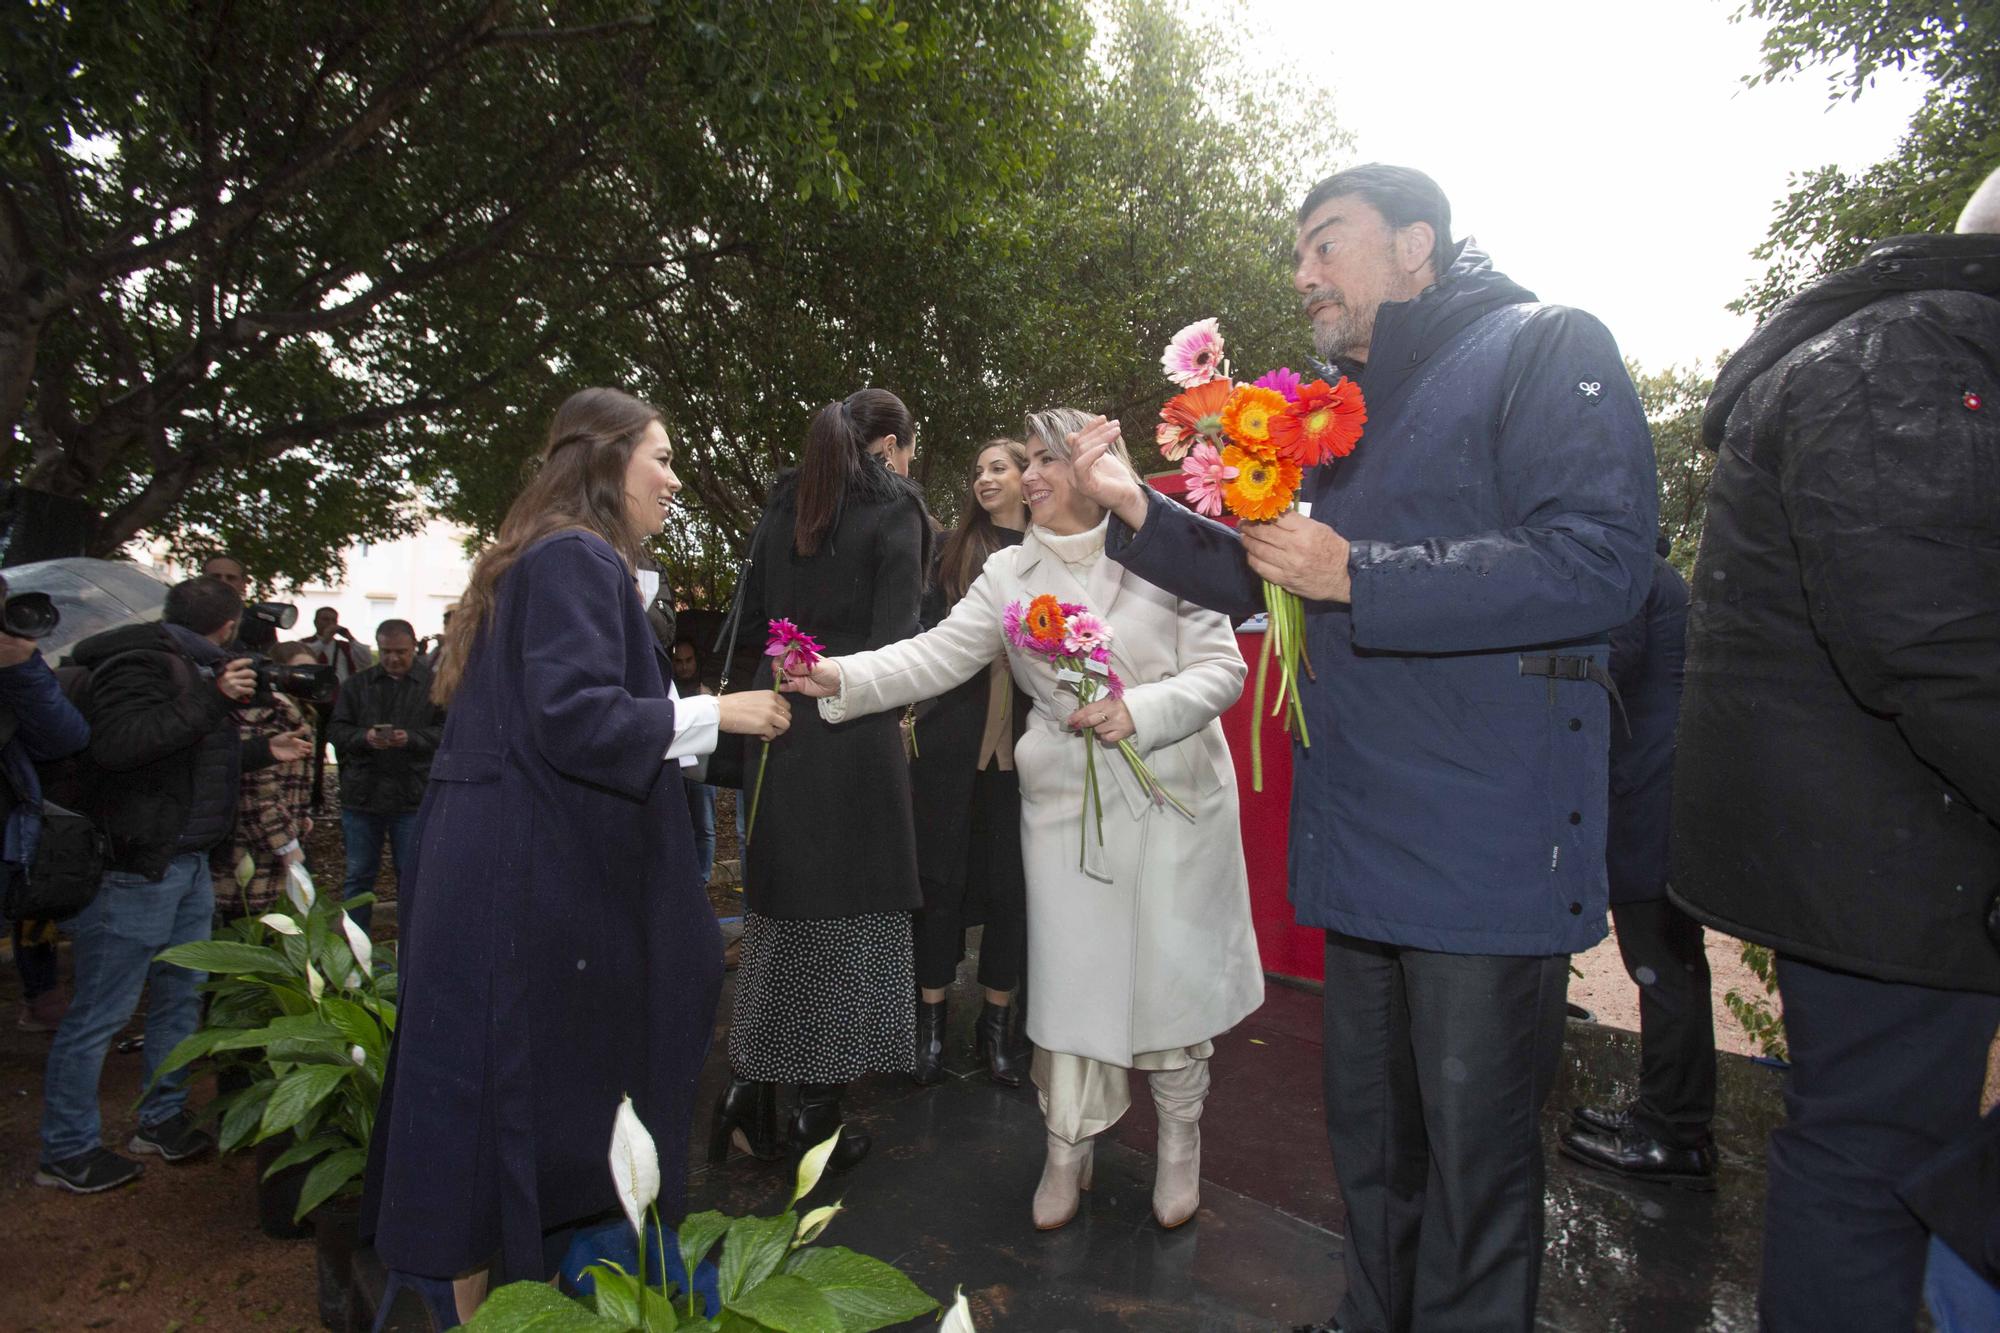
{"points": [[967, 799], [825, 992], [558, 951]]}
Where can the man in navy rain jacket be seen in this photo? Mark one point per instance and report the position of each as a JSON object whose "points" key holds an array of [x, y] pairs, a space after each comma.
{"points": [[1461, 572]]}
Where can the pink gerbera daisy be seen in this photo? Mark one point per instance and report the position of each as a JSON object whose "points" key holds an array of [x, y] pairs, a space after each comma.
{"points": [[1284, 381], [1086, 632], [1195, 355], [1206, 475]]}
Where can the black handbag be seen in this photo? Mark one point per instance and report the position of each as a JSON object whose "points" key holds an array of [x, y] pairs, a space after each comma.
{"points": [[66, 872]]}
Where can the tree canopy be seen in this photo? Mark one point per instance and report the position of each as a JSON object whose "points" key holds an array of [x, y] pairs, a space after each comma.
{"points": [[270, 274]]}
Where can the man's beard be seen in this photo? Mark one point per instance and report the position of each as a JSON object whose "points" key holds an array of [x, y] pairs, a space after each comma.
{"points": [[1335, 340]]}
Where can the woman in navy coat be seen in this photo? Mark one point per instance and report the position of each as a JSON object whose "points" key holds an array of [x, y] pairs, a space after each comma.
{"points": [[558, 950]]}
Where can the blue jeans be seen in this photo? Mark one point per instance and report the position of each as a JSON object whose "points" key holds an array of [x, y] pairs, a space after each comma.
{"points": [[115, 940], [701, 810], [364, 833], [1961, 1299]]}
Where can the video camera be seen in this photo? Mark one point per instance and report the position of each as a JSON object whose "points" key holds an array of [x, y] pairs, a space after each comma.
{"points": [[27, 615]]}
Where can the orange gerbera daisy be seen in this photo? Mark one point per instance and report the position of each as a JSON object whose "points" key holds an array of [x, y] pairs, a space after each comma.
{"points": [[1045, 619], [1246, 418], [1263, 486], [1190, 416], [1323, 422]]}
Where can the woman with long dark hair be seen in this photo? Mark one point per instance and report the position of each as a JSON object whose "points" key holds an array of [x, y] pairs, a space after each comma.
{"points": [[557, 949], [967, 797], [824, 992]]}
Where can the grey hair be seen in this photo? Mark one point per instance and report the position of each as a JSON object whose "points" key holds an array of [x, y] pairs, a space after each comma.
{"points": [[1052, 427]]}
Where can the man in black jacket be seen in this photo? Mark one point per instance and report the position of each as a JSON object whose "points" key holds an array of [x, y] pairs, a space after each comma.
{"points": [[1839, 751], [1663, 1134], [385, 730], [167, 763]]}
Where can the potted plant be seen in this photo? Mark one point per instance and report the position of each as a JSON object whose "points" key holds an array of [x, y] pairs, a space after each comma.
{"points": [[769, 1276], [301, 1015]]}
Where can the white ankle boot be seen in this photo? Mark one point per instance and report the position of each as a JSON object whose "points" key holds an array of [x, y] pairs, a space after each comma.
{"points": [[1177, 1096], [1066, 1171]]}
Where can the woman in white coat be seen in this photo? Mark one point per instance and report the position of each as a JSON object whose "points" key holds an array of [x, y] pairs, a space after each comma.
{"points": [[1141, 955]]}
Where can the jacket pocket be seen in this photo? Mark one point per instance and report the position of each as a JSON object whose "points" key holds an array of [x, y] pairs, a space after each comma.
{"points": [[466, 766]]}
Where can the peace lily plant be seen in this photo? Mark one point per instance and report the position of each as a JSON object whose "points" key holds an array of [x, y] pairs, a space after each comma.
{"points": [[770, 1276], [298, 1027]]}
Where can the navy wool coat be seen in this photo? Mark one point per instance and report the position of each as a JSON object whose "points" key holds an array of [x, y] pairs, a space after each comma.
{"points": [[1501, 506], [1648, 654], [558, 950]]}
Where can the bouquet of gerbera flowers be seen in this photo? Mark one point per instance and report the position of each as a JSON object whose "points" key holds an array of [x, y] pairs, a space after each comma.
{"points": [[1245, 448], [1078, 645], [794, 653]]}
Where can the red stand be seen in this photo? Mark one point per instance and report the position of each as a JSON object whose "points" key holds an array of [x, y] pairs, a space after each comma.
{"points": [[1287, 949]]}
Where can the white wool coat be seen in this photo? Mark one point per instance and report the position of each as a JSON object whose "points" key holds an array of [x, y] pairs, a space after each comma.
{"points": [[1151, 948]]}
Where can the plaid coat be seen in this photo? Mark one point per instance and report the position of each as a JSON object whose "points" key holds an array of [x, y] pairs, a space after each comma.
{"points": [[270, 813]]}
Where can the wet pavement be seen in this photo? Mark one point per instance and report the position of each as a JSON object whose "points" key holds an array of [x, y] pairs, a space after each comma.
{"points": [[945, 1196]]}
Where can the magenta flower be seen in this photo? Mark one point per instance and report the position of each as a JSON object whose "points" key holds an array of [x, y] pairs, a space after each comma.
{"points": [[1195, 355], [1010, 625], [1284, 381], [1113, 686], [1086, 634], [796, 651], [1206, 475]]}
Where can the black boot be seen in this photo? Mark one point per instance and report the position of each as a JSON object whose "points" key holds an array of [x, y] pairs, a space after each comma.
{"points": [[993, 1042], [751, 1108], [930, 1042], [817, 1117]]}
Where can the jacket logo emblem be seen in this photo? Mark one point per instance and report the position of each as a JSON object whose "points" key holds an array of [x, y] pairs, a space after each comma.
{"points": [[1591, 390]]}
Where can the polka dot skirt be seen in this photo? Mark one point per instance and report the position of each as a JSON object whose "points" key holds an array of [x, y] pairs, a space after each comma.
{"points": [[824, 1001]]}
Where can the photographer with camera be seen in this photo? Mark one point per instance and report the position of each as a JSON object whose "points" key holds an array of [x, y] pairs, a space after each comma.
{"points": [[167, 765], [37, 725], [385, 730], [272, 817]]}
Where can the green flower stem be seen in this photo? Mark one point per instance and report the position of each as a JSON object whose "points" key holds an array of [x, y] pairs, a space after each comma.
{"points": [[756, 794], [1257, 717]]}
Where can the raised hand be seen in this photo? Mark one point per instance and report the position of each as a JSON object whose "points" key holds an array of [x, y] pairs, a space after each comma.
{"points": [[1103, 476], [823, 683]]}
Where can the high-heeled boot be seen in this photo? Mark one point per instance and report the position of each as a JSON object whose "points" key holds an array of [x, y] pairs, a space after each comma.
{"points": [[1177, 1096], [1065, 1173], [747, 1112], [816, 1119], [993, 1042], [929, 1067]]}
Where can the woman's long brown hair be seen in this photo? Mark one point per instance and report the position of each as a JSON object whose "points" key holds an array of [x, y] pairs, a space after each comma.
{"points": [[976, 535], [579, 485]]}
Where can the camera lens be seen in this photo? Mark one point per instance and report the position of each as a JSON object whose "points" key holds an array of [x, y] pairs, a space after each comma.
{"points": [[30, 615]]}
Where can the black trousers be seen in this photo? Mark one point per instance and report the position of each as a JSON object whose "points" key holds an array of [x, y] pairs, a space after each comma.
{"points": [[992, 889], [1437, 1067], [1662, 949], [1884, 1076]]}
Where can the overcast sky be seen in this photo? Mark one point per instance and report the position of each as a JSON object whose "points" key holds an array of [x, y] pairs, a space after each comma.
{"points": [[1606, 154]]}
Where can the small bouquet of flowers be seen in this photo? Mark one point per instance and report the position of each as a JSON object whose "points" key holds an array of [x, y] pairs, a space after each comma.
{"points": [[794, 653], [1078, 645], [1245, 448]]}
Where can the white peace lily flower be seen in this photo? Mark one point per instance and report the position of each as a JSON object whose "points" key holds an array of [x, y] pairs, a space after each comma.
{"points": [[814, 1222], [958, 1319], [356, 1054], [279, 922], [358, 941], [315, 985], [299, 887], [812, 1166], [246, 870], [635, 1165]]}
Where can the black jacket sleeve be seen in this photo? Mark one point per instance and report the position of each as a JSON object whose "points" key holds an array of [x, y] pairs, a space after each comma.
{"points": [[1889, 481], [143, 708]]}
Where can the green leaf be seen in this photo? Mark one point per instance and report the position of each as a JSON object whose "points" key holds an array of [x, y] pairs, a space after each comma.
{"points": [[868, 1293], [332, 1174], [657, 1313], [753, 1251], [244, 1112], [298, 1092], [536, 1307], [189, 1049], [303, 1151], [616, 1294], [697, 1234], [225, 956], [787, 1304]]}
